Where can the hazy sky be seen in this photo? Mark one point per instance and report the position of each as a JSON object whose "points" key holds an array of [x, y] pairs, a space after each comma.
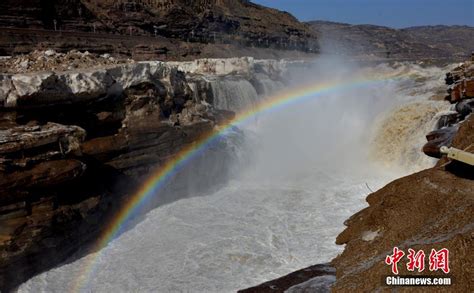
{"points": [[394, 13]]}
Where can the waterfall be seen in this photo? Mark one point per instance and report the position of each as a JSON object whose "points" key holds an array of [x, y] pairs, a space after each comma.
{"points": [[401, 135], [400, 132], [302, 171], [233, 93], [266, 86]]}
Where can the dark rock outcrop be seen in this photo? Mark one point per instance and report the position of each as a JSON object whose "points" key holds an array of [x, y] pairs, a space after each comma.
{"points": [[317, 278], [73, 146], [437, 139]]}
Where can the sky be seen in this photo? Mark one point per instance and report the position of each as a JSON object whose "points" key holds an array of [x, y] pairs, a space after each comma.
{"points": [[393, 13]]}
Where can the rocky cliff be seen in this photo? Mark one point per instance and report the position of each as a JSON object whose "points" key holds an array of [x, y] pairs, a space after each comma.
{"points": [[155, 28], [429, 43], [74, 144]]}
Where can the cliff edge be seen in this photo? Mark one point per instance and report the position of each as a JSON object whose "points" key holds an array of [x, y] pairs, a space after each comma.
{"points": [[164, 29]]}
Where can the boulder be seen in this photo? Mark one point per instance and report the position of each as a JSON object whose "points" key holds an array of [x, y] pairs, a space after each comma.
{"points": [[437, 139]]}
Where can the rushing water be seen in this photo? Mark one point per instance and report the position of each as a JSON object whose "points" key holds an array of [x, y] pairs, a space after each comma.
{"points": [[302, 171]]}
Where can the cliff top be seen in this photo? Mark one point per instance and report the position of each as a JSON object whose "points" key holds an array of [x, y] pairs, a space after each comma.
{"points": [[206, 21]]}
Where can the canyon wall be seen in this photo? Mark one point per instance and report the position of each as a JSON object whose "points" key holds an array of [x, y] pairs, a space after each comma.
{"points": [[76, 144], [155, 28]]}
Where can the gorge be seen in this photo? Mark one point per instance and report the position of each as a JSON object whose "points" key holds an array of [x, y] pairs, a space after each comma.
{"points": [[218, 145], [237, 217]]}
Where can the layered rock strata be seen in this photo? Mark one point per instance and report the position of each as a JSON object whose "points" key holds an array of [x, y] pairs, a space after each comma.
{"points": [[75, 144], [152, 29]]}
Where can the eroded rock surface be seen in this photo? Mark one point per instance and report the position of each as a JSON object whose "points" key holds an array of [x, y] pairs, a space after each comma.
{"points": [[74, 145], [148, 30], [432, 209]]}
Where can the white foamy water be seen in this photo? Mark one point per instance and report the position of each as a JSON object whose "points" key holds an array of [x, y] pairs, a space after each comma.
{"points": [[304, 171]]}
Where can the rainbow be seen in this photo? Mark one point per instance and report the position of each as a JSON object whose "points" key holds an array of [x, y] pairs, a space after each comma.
{"points": [[162, 175]]}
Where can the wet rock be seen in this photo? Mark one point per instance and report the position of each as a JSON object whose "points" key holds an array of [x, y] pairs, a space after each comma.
{"points": [[461, 82], [448, 119], [437, 139], [316, 278], [317, 284], [464, 107], [449, 123]]}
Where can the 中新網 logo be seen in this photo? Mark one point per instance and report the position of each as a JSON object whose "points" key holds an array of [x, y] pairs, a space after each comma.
{"points": [[438, 260]]}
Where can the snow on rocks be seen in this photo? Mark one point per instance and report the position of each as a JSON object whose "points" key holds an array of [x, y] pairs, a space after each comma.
{"points": [[51, 60]]}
